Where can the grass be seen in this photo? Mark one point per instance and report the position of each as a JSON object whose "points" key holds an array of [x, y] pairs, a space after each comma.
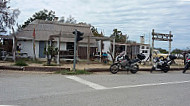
{"points": [[36, 61], [20, 63], [77, 72]]}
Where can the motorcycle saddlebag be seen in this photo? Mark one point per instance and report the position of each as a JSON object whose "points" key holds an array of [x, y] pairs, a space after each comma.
{"points": [[141, 56]]}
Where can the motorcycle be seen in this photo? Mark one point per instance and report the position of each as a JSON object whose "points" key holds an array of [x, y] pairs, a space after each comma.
{"points": [[187, 63], [162, 63], [124, 63]]}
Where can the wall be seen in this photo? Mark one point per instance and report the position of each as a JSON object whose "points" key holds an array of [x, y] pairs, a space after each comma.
{"points": [[27, 47], [145, 50]]}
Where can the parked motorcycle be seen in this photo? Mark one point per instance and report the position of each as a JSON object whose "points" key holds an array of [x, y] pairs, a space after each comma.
{"points": [[187, 63], [162, 63], [124, 63]]}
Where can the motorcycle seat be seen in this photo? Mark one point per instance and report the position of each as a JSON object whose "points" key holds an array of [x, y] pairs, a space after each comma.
{"points": [[134, 61]]}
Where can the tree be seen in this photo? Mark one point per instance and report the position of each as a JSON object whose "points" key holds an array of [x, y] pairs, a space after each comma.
{"points": [[162, 50], [71, 20], [177, 51], [119, 37], [7, 16], [50, 52], [95, 32], [42, 15], [62, 19]]}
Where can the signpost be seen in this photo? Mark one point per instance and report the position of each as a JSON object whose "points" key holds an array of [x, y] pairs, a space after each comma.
{"points": [[161, 37]]}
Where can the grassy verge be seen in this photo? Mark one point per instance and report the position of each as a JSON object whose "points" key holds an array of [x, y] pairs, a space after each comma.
{"points": [[77, 72]]}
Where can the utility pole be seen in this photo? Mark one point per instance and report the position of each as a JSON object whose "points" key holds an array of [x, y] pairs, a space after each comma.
{"points": [[75, 46], [14, 45]]}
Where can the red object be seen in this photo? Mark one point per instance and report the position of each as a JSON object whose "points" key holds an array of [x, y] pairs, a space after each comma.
{"points": [[34, 35]]}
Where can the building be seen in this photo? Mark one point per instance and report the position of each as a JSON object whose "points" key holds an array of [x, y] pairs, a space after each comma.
{"points": [[131, 49], [43, 31]]}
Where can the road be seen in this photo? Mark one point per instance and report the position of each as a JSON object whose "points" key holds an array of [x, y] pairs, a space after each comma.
{"points": [[100, 89]]}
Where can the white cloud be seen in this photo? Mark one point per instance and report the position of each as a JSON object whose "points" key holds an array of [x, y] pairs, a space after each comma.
{"points": [[133, 17]]}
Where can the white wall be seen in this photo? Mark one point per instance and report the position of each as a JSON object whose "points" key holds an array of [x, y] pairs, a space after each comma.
{"points": [[107, 45], [27, 47], [145, 50]]}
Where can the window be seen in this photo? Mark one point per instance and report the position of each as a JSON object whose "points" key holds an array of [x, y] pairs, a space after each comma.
{"points": [[144, 51], [142, 47], [147, 47]]}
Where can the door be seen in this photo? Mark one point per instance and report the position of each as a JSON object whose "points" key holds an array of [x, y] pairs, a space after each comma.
{"points": [[41, 49]]}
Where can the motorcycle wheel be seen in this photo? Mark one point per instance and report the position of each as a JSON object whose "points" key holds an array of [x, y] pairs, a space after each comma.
{"points": [[114, 68], [166, 69], [134, 69], [186, 67]]}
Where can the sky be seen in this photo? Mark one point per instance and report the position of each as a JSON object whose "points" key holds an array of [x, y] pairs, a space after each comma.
{"points": [[133, 17]]}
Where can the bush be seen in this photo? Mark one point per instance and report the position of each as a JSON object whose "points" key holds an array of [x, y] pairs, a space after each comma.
{"points": [[21, 63]]}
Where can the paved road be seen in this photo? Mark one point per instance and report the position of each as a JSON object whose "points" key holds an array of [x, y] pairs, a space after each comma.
{"points": [[141, 89]]}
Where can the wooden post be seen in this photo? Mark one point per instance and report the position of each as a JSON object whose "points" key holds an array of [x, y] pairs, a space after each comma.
{"points": [[113, 48], [100, 50], [58, 54], [152, 45], [125, 49], [88, 49], [170, 42], [14, 45]]}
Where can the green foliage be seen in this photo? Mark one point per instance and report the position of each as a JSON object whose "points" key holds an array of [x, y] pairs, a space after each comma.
{"points": [[162, 50], [119, 37], [42, 15], [95, 32], [77, 72], [51, 50], [7, 16], [71, 20], [20, 63], [177, 51]]}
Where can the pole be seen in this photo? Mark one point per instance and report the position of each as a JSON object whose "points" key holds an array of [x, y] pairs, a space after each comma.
{"points": [[34, 54], [14, 45], [113, 48], [58, 54], [88, 49], [152, 45], [170, 42], [100, 50], [75, 45]]}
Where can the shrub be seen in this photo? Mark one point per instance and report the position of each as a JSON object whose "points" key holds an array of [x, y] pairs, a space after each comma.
{"points": [[21, 63]]}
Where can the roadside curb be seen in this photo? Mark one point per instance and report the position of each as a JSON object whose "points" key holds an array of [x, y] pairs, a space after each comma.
{"points": [[33, 68], [11, 67], [53, 69], [141, 69]]}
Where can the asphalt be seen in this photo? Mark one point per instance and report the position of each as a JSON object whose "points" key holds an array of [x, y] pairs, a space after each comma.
{"points": [[122, 89]]}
